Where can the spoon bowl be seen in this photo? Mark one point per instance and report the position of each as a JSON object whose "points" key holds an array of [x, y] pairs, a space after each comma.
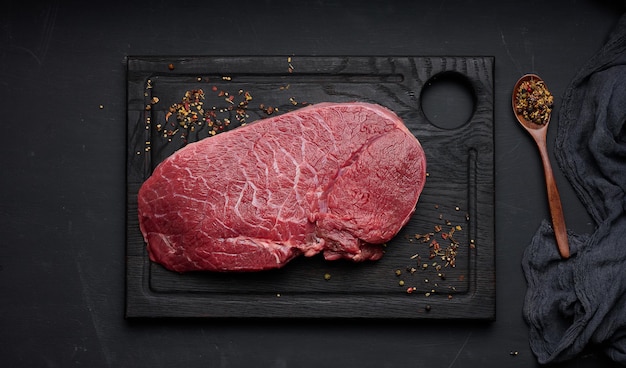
{"points": [[539, 133], [523, 120]]}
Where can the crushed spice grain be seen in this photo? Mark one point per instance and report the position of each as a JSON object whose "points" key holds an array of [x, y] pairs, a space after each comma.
{"points": [[534, 102]]}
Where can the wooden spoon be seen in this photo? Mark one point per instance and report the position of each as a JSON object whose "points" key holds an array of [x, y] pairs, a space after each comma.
{"points": [[538, 132]]}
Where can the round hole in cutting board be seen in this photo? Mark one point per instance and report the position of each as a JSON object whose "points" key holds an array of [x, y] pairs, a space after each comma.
{"points": [[448, 100]]}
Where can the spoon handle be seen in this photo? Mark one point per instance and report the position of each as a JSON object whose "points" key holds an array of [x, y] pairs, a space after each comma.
{"points": [[556, 210]]}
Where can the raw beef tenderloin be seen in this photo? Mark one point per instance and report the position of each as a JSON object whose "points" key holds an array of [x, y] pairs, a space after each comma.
{"points": [[337, 178]]}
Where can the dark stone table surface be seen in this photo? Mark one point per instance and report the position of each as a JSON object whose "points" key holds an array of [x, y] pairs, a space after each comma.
{"points": [[62, 156]]}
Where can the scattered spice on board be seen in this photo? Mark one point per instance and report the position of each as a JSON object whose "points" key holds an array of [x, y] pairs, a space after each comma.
{"points": [[205, 112], [196, 112], [191, 113], [444, 242], [448, 251], [269, 110], [290, 67], [534, 102]]}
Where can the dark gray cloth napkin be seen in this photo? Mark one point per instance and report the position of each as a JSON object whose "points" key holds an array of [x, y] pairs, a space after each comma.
{"points": [[580, 302]]}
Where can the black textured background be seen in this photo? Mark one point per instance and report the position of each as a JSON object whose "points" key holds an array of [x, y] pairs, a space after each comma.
{"points": [[62, 156]]}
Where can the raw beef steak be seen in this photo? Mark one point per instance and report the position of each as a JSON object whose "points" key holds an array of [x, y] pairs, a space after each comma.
{"points": [[337, 178]]}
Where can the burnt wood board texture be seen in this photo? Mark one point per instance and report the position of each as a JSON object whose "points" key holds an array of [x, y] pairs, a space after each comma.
{"points": [[459, 191]]}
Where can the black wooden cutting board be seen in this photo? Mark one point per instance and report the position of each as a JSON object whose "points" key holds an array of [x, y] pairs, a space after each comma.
{"points": [[408, 283]]}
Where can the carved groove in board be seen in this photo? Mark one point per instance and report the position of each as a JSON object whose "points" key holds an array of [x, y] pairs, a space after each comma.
{"points": [[297, 78], [472, 168]]}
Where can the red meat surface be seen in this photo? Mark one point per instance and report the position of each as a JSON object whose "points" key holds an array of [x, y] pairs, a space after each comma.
{"points": [[336, 178]]}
